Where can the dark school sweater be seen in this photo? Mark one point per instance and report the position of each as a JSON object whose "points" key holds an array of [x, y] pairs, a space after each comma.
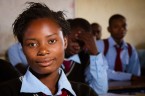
{"points": [[77, 71], [12, 88]]}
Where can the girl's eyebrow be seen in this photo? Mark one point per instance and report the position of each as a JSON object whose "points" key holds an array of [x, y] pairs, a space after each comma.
{"points": [[51, 35], [46, 37]]}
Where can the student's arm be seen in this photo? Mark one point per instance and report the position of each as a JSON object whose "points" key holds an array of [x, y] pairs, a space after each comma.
{"points": [[96, 74], [134, 64], [121, 76], [113, 75]]}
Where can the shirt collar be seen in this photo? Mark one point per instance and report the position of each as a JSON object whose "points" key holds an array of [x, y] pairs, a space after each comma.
{"points": [[30, 84], [112, 43], [75, 58], [64, 83]]}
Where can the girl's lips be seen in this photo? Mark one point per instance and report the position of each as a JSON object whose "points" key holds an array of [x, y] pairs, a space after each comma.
{"points": [[45, 63]]}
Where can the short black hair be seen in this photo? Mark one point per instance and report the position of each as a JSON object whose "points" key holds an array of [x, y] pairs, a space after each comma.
{"points": [[36, 11], [80, 22], [95, 24], [114, 17]]}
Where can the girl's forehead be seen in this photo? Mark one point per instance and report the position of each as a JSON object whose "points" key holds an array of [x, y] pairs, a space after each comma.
{"points": [[43, 21], [42, 26]]}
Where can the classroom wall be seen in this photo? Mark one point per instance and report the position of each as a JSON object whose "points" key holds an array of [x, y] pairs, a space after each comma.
{"points": [[9, 10], [100, 11]]}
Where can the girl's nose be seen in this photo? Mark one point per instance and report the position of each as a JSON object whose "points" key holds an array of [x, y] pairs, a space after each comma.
{"points": [[44, 50]]}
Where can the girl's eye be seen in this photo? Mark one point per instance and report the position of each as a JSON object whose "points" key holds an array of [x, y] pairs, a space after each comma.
{"points": [[51, 41], [32, 44]]}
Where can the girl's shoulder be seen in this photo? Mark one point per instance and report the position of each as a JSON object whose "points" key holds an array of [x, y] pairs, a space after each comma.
{"points": [[10, 88]]}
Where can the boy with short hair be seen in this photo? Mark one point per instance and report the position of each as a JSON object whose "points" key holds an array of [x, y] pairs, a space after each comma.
{"points": [[122, 58]]}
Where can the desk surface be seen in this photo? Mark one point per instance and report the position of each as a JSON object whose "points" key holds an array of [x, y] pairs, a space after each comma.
{"points": [[127, 87], [119, 85]]}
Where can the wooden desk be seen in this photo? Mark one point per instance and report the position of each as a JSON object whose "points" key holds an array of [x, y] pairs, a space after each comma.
{"points": [[126, 86]]}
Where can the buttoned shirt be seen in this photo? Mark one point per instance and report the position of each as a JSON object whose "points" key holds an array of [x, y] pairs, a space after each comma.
{"points": [[130, 64], [31, 84], [95, 73]]}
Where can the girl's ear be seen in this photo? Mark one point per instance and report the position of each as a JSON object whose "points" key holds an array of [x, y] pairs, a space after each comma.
{"points": [[65, 42]]}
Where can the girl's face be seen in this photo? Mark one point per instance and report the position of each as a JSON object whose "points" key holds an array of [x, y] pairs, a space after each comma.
{"points": [[44, 45]]}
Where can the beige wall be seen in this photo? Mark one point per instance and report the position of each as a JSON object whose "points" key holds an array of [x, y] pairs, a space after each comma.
{"points": [[100, 11]]}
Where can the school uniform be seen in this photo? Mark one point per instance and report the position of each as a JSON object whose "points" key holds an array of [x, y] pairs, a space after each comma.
{"points": [[130, 64], [29, 85], [89, 69]]}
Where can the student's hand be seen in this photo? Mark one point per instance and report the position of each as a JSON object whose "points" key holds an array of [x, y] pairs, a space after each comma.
{"points": [[73, 46], [89, 42]]}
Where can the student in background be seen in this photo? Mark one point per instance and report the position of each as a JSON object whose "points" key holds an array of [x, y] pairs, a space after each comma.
{"points": [[17, 58], [122, 57], [96, 31], [43, 36], [86, 65]]}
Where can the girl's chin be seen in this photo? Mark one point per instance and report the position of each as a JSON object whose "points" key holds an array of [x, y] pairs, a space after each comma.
{"points": [[44, 72]]}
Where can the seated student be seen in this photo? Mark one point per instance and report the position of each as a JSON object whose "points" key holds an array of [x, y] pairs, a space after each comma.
{"points": [[96, 30], [7, 71], [86, 64], [17, 57], [121, 56], [42, 34]]}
